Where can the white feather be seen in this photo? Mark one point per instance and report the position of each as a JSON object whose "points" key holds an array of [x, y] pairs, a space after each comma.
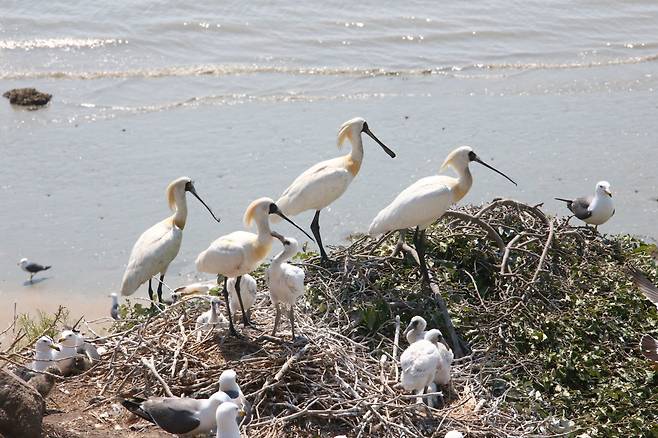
{"points": [[248, 290], [418, 363], [232, 255], [285, 281]]}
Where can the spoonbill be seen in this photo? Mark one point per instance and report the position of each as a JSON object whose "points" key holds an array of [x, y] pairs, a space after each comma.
{"points": [[240, 252], [442, 375], [426, 200], [180, 416], [325, 182], [415, 331], [158, 246], [285, 281], [594, 210], [31, 267], [248, 290], [209, 319], [225, 417], [419, 362]]}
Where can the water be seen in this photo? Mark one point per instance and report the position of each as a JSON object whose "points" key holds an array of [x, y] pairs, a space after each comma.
{"points": [[242, 97]]}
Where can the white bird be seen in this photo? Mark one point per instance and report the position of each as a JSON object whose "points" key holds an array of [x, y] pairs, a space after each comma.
{"points": [[594, 210], [198, 288], [31, 267], [415, 331], [446, 356], [225, 418], [426, 200], [325, 182], [209, 319], [229, 385], [114, 310], [454, 434], [69, 342], [158, 246], [240, 252], [248, 291], [44, 354], [286, 282], [419, 362], [180, 416]]}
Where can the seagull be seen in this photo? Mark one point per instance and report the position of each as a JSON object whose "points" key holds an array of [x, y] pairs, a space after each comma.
{"points": [[285, 281], [180, 416], [426, 200], [248, 290], [45, 382], [114, 311], [241, 252], [228, 384], [68, 343], [209, 319], [44, 354], [326, 181], [415, 331], [649, 347], [31, 267], [594, 210], [225, 418], [419, 363], [158, 246]]}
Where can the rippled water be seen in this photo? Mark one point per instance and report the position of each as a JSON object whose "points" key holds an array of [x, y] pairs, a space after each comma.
{"points": [[243, 96]]}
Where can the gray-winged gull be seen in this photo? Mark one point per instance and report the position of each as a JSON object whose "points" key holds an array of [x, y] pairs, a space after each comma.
{"points": [[594, 210], [225, 418], [114, 310], [31, 267]]}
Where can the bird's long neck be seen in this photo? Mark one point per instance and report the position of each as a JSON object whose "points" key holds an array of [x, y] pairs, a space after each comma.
{"points": [[355, 157], [264, 231], [464, 183], [283, 256], [180, 215]]}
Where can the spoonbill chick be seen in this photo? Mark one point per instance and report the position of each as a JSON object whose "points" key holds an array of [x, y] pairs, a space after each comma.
{"points": [[325, 182], [209, 319], [248, 290], [114, 310], [225, 417], [31, 267], [240, 252], [419, 363], [44, 353], [426, 200], [594, 210], [285, 281], [181, 416], [443, 368], [69, 343], [415, 331], [158, 246]]}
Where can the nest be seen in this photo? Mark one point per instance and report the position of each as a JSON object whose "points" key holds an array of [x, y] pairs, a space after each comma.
{"points": [[491, 266]]}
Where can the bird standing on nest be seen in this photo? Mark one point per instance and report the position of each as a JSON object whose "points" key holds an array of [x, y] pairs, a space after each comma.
{"points": [[594, 210]]}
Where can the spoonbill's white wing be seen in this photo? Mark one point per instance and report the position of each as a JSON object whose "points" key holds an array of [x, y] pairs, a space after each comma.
{"points": [[316, 188], [151, 255], [294, 279], [225, 255], [248, 290], [420, 204], [418, 363]]}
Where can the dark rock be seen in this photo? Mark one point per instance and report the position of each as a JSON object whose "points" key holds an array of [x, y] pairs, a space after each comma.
{"points": [[21, 408], [27, 97]]}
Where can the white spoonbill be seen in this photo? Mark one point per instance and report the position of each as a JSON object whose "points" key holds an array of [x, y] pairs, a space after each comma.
{"points": [[415, 331], [419, 362], [443, 368], [209, 319], [31, 267], [426, 200], [594, 210], [240, 252], [248, 290], [285, 281], [159, 245], [325, 182]]}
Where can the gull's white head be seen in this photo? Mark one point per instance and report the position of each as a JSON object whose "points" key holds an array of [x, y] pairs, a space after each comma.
{"points": [[220, 397], [22, 262], [352, 130], [68, 338], [45, 344], [603, 188], [434, 336], [227, 381], [115, 298], [417, 323], [226, 416]]}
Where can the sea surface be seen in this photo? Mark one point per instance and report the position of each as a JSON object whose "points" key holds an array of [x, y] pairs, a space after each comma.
{"points": [[243, 96]]}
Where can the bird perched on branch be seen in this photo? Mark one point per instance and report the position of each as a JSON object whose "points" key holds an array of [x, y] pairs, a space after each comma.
{"points": [[594, 210]]}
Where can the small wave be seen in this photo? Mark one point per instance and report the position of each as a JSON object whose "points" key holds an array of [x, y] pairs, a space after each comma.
{"points": [[58, 43], [235, 70]]}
